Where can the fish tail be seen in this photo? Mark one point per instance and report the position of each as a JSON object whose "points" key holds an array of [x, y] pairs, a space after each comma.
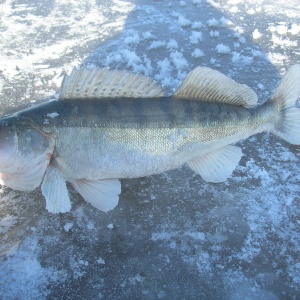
{"points": [[287, 125]]}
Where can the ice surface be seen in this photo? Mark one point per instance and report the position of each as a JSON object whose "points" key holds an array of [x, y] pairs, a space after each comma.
{"points": [[172, 236]]}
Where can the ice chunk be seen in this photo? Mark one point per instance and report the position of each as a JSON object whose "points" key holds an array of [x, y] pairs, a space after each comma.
{"points": [[68, 226], [242, 59], [130, 57], [197, 53], [295, 29], [225, 22], [213, 23], [223, 49], [164, 66], [172, 44], [256, 34], [157, 44], [282, 29], [197, 25], [53, 115], [148, 35], [100, 261], [178, 60], [261, 86], [135, 39], [183, 22], [196, 37], [212, 61]]}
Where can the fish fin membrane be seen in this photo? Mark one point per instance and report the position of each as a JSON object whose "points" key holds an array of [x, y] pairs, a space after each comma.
{"points": [[55, 191], [104, 83], [287, 125], [218, 165], [25, 179], [205, 84], [102, 194]]}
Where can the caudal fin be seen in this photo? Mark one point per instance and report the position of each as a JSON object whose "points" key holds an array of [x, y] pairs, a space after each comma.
{"points": [[288, 124]]}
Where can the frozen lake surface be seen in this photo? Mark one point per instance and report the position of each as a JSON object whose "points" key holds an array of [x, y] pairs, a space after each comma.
{"points": [[172, 236]]}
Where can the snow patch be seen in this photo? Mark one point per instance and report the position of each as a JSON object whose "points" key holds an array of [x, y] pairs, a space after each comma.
{"points": [[223, 49], [21, 274], [68, 226], [157, 44], [256, 34], [197, 25], [213, 23], [196, 37], [197, 53], [183, 22], [172, 44]]}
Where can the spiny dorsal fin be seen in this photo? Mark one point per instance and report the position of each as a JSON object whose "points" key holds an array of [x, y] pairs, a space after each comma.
{"points": [[206, 84], [104, 83]]}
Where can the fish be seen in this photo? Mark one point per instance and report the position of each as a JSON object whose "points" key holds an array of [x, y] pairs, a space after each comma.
{"points": [[108, 125]]}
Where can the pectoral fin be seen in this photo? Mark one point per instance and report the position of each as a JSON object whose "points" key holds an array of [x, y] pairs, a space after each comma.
{"points": [[55, 191], [102, 194], [27, 178], [217, 166]]}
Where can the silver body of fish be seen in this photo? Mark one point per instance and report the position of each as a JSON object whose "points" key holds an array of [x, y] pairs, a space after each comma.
{"points": [[110, 124]]}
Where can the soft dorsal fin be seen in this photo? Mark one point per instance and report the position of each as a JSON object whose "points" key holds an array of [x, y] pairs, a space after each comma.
{"points": [[104, 83], [206, 84]]}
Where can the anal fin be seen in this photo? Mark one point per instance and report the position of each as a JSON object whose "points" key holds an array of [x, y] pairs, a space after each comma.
{"points": [[218, 165], [102, 194], [55, 191]]}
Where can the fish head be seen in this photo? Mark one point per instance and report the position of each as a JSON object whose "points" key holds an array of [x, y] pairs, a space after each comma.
{"points": [[25, 153]]}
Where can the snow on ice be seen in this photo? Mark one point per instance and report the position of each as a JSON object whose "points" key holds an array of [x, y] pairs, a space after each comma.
{"points": [[235, 240]]}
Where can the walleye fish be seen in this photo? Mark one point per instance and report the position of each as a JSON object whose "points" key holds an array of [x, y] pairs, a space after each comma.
{"points": [[110, 124]]}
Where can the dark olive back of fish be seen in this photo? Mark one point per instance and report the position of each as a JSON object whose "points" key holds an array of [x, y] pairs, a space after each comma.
{"points": [[127, 113]]}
